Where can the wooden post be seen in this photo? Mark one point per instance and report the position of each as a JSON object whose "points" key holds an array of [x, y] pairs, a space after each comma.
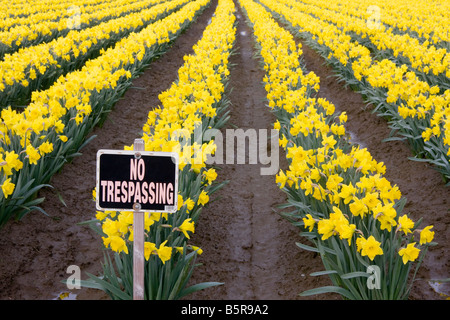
{"points": [[138, 242]]}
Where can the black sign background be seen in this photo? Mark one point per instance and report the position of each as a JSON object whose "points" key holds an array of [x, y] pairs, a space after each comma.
{"points": [[159, 168]]}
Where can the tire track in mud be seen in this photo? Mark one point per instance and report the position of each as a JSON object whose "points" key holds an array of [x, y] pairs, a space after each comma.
{"points": [[36, 251]]}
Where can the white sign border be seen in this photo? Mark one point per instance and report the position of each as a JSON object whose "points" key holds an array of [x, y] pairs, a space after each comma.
{"points": [[173, 155]]}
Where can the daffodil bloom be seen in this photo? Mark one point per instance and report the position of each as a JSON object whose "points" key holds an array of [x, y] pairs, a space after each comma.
{"points": [[358, 208], [164, 253], [189, 204], [281, 179], [46, 147], [11, 162], [309, 222], [180, 250], [386, 215], [199, 250], [347, 192], [101, 215], [426, 235], [149, 248], [203, 198], [110, 227], [326, 228], [8, 188], [410, 253], [333, 182], [210, 175], [179, 201], [346, 232], [370, 247], [116, 244], [405, 224], [187, 225]]}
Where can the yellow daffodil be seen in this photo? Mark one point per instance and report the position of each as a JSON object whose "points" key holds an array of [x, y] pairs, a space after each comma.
{"points": [[164, 253], [426, 235], [410, 253], [309, 222], [8, 188], [187, 225], [370, 247]]}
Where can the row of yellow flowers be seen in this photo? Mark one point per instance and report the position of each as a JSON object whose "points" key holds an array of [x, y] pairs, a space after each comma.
{"points": [[194, 100], [35, 143], [422, 19], [24, 8], [30, 33], [34, 12], [418, 112], [37, 67], [349, 211], [427, 20]]}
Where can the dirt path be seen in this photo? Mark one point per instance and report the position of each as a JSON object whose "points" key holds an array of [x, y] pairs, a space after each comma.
{"points": [[248, 246]]}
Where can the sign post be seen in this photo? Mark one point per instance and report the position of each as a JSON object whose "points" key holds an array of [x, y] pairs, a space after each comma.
{"points": [[142, 182], [138, 242]]}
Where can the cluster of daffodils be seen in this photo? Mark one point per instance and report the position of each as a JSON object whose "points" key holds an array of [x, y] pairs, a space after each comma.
{"points": [[349, 210], [424, 20], [418, 111], [38, 66], [423, 56], [52, 22], [195, 98], [62, 116]]}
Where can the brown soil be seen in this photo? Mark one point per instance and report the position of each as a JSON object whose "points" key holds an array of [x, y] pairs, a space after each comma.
{"points": [[246, 245]]}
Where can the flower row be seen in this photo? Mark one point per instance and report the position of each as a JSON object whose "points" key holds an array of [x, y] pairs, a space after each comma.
{"points": [[423, 58], [194, 99], [37, 67], [418, 112], [420, 19], [14, 15], [349, 211], [36, 143], [23, 8], [33, 33]]}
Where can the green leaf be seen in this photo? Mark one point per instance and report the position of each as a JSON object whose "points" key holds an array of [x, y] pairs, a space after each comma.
{"points": [[306, 247], [199, 286], [328, 289], [355, 274], [322, 273], [108, 286]]}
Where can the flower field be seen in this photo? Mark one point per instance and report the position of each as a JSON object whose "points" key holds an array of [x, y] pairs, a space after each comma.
{"points": [[357, 91]]}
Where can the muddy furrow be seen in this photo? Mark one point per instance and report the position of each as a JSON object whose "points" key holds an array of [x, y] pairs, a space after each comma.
{"points": [[246, 245]]}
